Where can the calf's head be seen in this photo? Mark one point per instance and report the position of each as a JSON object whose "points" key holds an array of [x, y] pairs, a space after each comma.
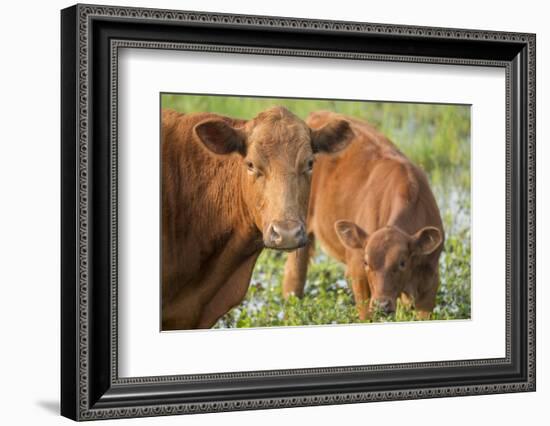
{"points": [[277, 152], [389, 256]]}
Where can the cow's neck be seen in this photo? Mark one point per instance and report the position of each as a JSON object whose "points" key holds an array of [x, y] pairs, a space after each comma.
{"points": [[245, 223], [240, 242], [239, 226]]}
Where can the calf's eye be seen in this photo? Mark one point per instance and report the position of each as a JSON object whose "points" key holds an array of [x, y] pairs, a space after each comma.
{"points": [[402, 264]]}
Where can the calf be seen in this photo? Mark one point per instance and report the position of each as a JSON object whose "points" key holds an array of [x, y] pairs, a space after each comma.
{"points": [[229, 188], [373, 210]]}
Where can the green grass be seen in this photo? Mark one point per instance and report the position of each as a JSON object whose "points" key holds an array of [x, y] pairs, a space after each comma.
{"points": [[435, 137]]}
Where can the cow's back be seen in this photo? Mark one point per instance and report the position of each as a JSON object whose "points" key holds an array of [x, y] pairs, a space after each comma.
{"points": [[372, 183]]}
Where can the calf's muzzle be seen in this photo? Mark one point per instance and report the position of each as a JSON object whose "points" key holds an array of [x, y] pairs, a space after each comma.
{"points": [[386, 306]]}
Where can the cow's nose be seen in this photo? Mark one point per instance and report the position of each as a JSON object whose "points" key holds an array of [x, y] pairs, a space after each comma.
{"points": [[286, 235]]}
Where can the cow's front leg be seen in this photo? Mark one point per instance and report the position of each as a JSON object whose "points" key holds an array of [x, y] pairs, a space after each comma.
{"points": [[195, 306], [230, 294], [183, 313], [294, 279]]}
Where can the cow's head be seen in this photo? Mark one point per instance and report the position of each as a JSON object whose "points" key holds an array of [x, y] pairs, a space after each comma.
{"points": [[277, 152], [389, 256]]}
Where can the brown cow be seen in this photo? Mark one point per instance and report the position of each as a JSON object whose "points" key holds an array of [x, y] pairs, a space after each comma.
{"points": [[229, 188], [373, 210]]}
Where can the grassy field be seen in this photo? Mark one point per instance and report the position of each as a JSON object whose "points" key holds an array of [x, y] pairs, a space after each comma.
{"points": [[435, 137]]}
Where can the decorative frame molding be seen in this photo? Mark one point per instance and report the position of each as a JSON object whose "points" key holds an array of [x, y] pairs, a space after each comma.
{"points": [[91, 388]]}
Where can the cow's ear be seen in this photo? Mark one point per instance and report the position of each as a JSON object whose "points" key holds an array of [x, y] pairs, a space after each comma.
{"points": [[351, 235], [221, 138], [426, 241], [332, 137]]}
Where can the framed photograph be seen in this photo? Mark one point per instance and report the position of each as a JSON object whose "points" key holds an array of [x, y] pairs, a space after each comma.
{"points": [[263, 212]]}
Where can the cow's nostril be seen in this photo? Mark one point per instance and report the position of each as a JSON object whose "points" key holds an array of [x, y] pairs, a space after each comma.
{"points": [[286, 235], [300, 233], [275, 235]]}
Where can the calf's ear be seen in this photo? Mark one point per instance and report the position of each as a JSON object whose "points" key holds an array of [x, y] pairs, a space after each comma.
{"points": [[426, 241], [332, 137], [221, 138], [351, 235]]}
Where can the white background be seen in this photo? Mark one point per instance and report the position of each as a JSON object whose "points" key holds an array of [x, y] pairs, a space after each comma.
{"points": [[29, 225], [143, 351]]}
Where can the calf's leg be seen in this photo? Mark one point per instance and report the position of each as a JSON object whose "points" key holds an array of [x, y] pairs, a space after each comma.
{"points": [[361, 294], [359, 282], [294, 279], [425, 301]]}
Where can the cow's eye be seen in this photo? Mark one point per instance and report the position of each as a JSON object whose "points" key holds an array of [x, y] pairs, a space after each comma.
{"points": [[250, 167], [252, 170], [309, 166], [402, 264]]}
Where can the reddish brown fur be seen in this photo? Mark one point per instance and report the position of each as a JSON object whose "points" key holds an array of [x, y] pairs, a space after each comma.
{"points": [[372, 189], [225, 183]]}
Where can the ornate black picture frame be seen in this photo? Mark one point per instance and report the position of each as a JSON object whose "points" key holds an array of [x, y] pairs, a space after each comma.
{"points": [[90, 38]]}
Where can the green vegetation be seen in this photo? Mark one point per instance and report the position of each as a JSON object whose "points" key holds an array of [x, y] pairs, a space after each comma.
{"points": [[435, 137]]}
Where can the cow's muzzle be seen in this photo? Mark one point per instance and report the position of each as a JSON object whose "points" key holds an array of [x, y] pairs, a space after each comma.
{"points": [[285, 235]]}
